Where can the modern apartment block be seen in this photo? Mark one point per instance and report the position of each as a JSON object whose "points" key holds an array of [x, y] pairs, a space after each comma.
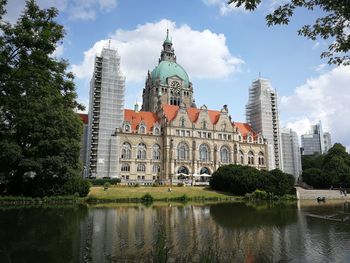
{"points": [[291, 152], [315, 141], [262, 114], [106, 114]]}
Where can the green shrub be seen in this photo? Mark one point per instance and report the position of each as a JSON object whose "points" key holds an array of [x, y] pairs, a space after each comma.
{"points": [[106, 185], [241, 180], [147, 198], [180, 184], [184, 198], [76, 185], [137, 185], [155, 184], [101, 182]]}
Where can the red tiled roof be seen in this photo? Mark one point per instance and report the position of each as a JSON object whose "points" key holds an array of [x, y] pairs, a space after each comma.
{"points": [[244, 128], [84, 117], [170, 112], [135, 117]]}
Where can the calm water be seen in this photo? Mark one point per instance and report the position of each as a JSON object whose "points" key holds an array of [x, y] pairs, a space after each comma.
{"points": [[229, 232]]}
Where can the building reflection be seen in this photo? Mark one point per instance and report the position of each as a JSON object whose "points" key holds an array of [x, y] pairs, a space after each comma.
{"points": [[235, 232]]}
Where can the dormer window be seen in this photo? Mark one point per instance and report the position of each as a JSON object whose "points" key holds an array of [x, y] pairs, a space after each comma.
{"points": [[156, 131], [127, 127], [142, 129]]}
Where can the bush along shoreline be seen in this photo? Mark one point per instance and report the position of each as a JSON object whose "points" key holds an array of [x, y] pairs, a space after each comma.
{"points": [[52, 200], [258, 184]]}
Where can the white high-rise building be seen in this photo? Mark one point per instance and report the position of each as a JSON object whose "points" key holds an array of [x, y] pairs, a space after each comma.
{"points": [[291, 152], [262, 114], [327, 141], [106, 114]]}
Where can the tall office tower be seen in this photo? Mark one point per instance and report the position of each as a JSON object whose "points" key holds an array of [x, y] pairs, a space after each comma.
{"points": [[291, 152], [313, 141], [106, 114], [262, 114], [327, 141]]}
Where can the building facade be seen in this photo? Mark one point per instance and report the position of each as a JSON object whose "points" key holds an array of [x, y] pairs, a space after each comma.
{"points": [[327, 141], [172, 139], [315, 141], [263, 116], [291, 152], [106, 113]]}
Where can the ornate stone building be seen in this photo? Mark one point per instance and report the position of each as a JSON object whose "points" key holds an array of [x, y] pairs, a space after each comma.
{"points": [[170, 138]]}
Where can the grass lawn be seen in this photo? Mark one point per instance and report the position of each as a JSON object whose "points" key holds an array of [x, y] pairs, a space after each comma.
{"points": [[158, 193]]}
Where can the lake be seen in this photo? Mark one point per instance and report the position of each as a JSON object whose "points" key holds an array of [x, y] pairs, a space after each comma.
{"points": [[222, 232]]}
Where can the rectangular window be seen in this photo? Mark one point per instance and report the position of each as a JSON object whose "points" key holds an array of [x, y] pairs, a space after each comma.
{"points": [[177, 133], [220, 136], [127, 177], [188, 134], [225, 137], [209, 135], [143, 177], [204, 135], [229, 137], [183, 133], [199, 134]]}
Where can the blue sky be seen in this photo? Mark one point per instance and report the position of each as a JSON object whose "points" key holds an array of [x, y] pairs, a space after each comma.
{"points": [[222, 48]]}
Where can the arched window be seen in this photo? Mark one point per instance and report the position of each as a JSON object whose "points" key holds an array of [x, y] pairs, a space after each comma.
{"points": [[204, 153], [141, 151], [204, 125], [182, 122], [225, 154], [125, 167], [261, 159], [241, 157], [250, 157], [239, 138], [182, 170], [182, 151], [141, 167], [156, 131], [127, 127], [156, 168], [156, 152], [126, 151], [142, 129], [204, 170]]}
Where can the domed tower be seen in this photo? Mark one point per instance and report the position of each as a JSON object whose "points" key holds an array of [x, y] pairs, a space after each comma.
{"points": [[168, 82]]}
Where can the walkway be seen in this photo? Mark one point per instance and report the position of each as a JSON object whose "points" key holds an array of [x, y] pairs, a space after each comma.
{"points": [[306, 194]]}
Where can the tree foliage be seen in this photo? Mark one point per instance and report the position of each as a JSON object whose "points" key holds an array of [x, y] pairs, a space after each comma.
{"points": [[240, 180], [39, 130], [335, 24], [333, 170]]}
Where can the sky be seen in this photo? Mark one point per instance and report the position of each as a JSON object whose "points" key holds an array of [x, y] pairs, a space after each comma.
{"points": [[222, 48]]}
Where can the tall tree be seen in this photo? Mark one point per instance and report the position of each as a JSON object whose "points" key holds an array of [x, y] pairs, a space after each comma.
{"points": [[335, 24], [39, 130]]}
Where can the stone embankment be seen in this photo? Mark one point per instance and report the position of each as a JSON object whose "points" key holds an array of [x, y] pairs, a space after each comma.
{"points": [[307, 194]]}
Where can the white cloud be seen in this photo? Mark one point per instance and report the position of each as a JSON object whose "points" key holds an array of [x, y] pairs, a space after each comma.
{"points": [[203, 54], [58, 51], [324, 98], [320, 68], [74, 9], [224, 8]]}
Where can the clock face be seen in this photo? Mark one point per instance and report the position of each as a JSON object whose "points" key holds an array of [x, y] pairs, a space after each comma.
{"points": [[175, 84]]}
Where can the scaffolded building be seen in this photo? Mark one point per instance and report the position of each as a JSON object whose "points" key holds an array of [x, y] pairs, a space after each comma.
{"points": [[106, 114], [262, 114]]}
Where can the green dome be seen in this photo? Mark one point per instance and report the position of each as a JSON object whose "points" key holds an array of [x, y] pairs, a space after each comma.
{"points": [[167, 69]]}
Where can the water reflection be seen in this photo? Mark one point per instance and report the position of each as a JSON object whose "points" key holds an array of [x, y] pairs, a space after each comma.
{"points": [[237, 232]]}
